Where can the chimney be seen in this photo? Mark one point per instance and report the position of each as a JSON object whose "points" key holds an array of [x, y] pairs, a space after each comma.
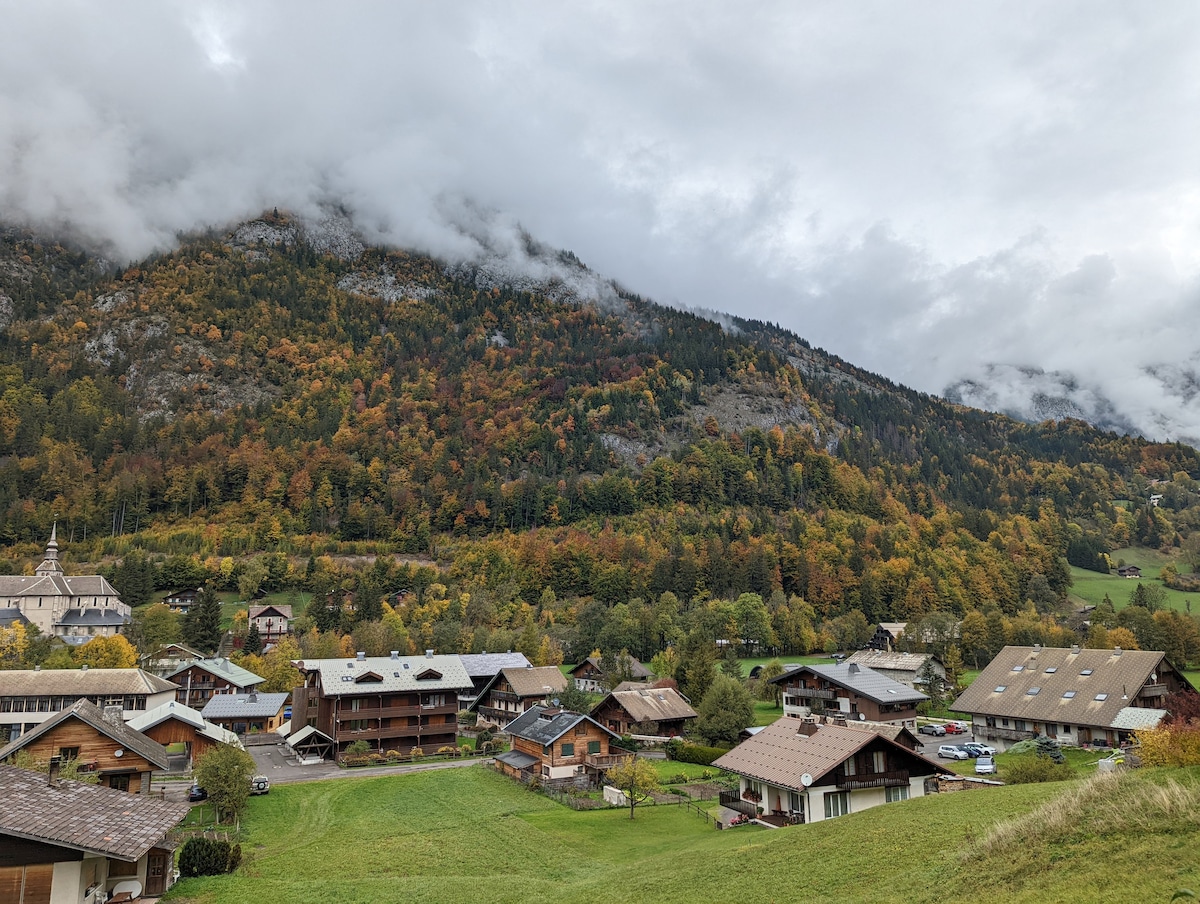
{"points": [[853, 669], [1117, 651], [55, 762], [253, 698], [395, 654], [1074, 648], [83, 668], [429, 654], [112, 714], [808, 729], [362, 657]]}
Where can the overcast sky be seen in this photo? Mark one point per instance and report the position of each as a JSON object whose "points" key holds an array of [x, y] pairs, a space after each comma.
{"points": [[925, 189]]}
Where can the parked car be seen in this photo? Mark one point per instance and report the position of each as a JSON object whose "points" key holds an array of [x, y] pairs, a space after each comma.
{"points": [[259, 785], [976, 749], [985, 765], [287, 712], [953, 752], [963, 726], [196, 793], [932, 728], [954, 728]]}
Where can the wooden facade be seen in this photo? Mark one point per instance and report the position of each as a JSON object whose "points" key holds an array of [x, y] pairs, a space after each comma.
{"points": [[198, 684], [96, 752], [172, 731], [558, 744], [398, 720]]}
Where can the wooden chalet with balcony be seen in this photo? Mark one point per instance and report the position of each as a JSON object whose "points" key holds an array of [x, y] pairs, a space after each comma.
{"points": [[652, 711], [69, 842], [1075, 695], [556, 744], [483, 667], [800, 770], [514, 690], [392, 703], [588, 675], [201, 679], [100, 741], [849, 690]]}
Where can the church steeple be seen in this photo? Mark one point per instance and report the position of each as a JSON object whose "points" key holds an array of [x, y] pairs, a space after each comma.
{"points": [[50, 564]]}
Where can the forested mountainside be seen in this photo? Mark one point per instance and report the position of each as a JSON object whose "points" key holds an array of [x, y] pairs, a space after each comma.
{"points": [[260, 398]]}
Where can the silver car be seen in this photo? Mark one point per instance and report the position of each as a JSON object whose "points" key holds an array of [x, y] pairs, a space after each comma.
{"points": [[985, 765], [952, 752]]}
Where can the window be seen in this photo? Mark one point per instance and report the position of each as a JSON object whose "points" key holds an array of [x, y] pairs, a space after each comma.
{"points": [[568, 750], [118, 782], [1001, 688], [1019, 724], [837, 803], [1018, 668], [580, 729], [794, 801], [593, 746], [891, 795], [1067, 695], [1086, 672], [1102, 696], [69, 753], [851, 768], [1051, 670], [1033, 692], [879, 761]]}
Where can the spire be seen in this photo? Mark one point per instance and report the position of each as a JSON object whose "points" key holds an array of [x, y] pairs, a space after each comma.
{"points": [[50, 564]]}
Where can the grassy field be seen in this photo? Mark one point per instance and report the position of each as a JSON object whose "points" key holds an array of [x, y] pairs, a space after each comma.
{"points": [[470, 834], [1091, 586]]}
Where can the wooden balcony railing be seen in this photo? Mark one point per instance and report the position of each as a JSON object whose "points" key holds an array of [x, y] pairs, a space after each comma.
{"points": [[1003, 734], [892, 779], [1154, 690], [810, 693], [605, 760]]}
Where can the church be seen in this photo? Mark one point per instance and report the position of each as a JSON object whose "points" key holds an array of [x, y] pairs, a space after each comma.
{"points": [[74, 608]]}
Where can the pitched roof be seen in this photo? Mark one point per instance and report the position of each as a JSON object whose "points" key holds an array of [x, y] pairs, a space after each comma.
{"points": [[223, 668], [9, 616], [262, 611], [636, 669], [545, 729], [243, 706], [653, 704], [896, 662], [188, 716], [81, 682], [83, 817], [1133, 718], [382, 674], [1074, 686], [308, 731], [781, 753], [863, 681], [90, 714], [480, 665], [534, 681], [895, 628]]}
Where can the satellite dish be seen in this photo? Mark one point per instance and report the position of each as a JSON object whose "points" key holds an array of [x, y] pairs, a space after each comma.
{"points": [[119, 752], [806, 779], [862, 717]]}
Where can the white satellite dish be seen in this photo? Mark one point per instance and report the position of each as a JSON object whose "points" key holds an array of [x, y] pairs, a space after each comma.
{"points": [[806, 779]]}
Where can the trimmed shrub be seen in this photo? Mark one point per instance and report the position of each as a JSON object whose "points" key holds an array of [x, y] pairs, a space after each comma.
{"points": [[416, 753], [692, 753], [1030, 769], [358, 748], [201, 856], [447, 751]]}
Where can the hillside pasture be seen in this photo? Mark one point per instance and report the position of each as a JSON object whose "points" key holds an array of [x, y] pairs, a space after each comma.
{"points": [[1090, 587], [470, 834]]}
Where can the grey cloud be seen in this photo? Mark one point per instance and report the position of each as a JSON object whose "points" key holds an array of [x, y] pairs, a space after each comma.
{"points": [[926, 190]]}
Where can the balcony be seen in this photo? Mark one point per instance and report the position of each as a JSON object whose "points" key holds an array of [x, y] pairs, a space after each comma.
{"points": [[604, 761], [988, 733], [811, 693], [733, 801], [1153, 691], [503, 695], [873, 780]]}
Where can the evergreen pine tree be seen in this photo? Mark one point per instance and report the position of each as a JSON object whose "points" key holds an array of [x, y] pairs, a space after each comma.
{"points": [[253, 642], [202, 626]]}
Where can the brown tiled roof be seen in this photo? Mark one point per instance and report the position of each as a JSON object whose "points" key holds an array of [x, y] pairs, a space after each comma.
{"points": [[652, 704], [258, 611], [90, 714], [80, 682], [781, 753], [536, 682], [1056, 672], [83, 817]]}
